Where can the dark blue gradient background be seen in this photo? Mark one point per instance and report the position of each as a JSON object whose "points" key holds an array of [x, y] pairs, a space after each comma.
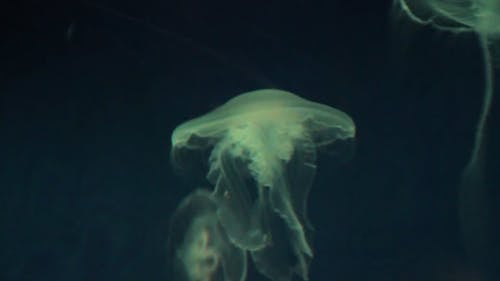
{"points": [[88, 100]]}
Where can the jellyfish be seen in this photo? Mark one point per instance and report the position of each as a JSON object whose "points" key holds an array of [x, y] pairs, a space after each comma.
{"points": [[479, 16], [483, 18], [203, 251], [261, 158]]}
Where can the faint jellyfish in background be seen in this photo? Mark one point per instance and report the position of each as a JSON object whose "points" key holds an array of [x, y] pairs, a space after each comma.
{"points": [[457, 16], [261, 153], [201, 251], [483, 18]]}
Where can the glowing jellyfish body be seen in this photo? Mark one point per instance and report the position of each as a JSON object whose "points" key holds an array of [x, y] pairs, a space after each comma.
{"points": [[262, 163]]}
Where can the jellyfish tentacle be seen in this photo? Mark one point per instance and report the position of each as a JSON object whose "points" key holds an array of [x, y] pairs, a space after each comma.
{"points": [[487, 100]]}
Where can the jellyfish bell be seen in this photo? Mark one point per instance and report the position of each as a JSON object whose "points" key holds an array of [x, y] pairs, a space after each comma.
{"points": [[264, 105], [255, 112], [480, 16], [261, 164]]}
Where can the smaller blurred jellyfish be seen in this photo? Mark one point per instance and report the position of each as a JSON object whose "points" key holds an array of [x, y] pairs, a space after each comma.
{"points": [[202, 251], [260, 148]]}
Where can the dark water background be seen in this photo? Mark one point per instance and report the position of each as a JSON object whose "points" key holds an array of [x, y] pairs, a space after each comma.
{"points": [[89, 99]]}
